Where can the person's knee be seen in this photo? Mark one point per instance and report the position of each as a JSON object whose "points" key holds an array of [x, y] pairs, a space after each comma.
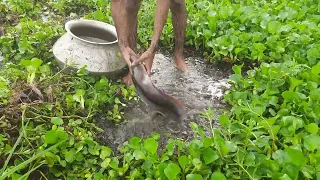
{"points": [[132, 5]]}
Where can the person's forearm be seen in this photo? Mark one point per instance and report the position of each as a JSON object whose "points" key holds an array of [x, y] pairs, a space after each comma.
{"points": [[119, 17], [160, 18]]}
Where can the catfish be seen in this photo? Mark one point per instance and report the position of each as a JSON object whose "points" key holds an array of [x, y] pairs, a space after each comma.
{"points": [[155, 98]]}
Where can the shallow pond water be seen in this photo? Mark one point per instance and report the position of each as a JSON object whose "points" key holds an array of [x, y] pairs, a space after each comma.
{"points": [[201, 86]]}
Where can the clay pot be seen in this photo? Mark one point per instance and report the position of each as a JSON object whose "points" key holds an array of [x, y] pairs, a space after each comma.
{"points": [[92, 43]]}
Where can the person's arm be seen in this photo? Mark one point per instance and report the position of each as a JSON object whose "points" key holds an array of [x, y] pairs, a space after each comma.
{"points": [[160, 18]]}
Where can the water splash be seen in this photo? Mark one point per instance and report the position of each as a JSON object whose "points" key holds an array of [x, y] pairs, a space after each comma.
{"points": [[203, 85]]}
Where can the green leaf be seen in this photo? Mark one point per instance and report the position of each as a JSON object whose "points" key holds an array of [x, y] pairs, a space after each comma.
{"points": [[49, 159], [209, 156], [238, 50], [282, 15], [194, 147], [35, 62], [56, 121], [308, 171], [259, 47], [274, 166], [237, 69], [250, 159], [311, 85], [294, 83], [224, 148], [98, 15], [170, 148], [259, 110], [224, 12], [98, 176], [79, 157], [316, 69], [114, 163], [224, 120], [312, 142], [117, 101], [70, 156], [161, 168], [218, 176], [207, 142], [291, 171], [290, 96], [197, 163], [155, 136], [80, 92], [313, 54], [183, 161], [105, 152], [51, 137], [312, 128], [194, 177], [138, 154], [128, 157], [45, 69], [105, 163], [279, 156], [231, 146], [151, 145], [135, 173], [281, 176], [172, 171], [135, 142], [273, 26], [294, 156]]}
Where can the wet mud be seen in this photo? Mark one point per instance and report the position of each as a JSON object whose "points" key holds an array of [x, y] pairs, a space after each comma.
{"points": [[203, 85]]}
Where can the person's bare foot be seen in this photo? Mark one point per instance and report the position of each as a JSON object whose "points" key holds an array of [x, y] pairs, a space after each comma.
{"points": [[181, 64], [128, 79]]}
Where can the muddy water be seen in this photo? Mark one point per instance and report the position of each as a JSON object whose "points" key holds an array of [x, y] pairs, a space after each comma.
{"points": [[202, 86]]}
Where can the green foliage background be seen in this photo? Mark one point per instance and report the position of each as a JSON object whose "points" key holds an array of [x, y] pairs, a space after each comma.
{"points": [[271, 131]]}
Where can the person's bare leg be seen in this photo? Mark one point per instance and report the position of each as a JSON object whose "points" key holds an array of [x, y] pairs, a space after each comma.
{"points": [[124, 14], [120, 17], [133, 7], [179, 23]]}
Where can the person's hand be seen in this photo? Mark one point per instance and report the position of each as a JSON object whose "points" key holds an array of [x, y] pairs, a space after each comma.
{"points": [[147, 57], [127, 53]]}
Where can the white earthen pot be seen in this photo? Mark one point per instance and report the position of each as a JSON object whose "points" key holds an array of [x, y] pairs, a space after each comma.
{"points": [[92, 43]]}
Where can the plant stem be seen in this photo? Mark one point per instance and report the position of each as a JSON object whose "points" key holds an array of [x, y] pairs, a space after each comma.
{"points": [[20, 166]]}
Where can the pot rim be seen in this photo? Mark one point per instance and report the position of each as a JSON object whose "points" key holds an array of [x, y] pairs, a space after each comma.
{"points": [[108, 27]]}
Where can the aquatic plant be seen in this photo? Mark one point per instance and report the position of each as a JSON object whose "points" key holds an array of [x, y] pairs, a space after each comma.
{"points": [[47, 118]]}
